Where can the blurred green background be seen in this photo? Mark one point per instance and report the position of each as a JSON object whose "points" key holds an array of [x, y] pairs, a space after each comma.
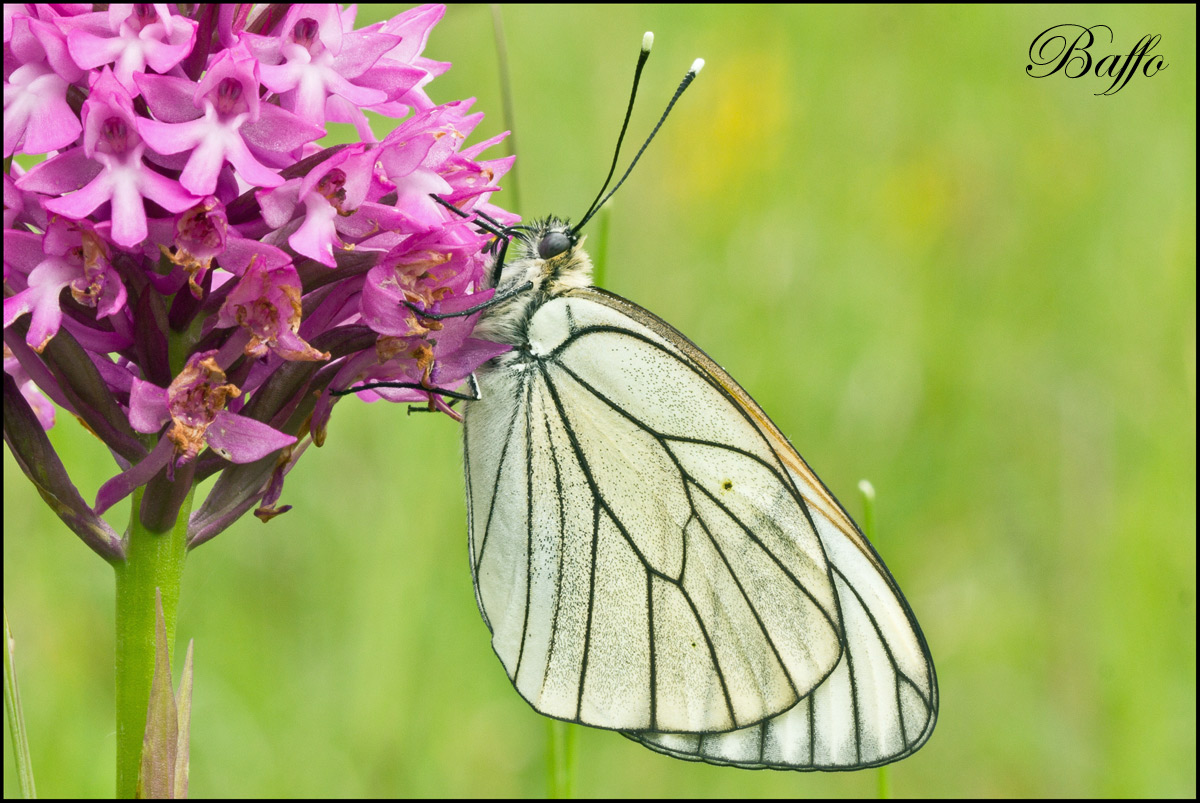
{"points": [[974, 288]]}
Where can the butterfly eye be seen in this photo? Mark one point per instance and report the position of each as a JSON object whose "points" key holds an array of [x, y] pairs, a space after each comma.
{"points": [[553, 244]]}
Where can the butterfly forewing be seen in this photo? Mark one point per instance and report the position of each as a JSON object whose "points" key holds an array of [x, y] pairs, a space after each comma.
{"points": [[640, 550]]}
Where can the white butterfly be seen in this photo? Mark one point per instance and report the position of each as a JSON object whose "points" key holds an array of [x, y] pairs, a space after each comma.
{"points": [[652, 556]]}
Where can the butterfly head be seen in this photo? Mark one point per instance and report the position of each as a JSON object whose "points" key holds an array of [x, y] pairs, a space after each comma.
{"points": [[543, 260], [549, 255], [555, 241]]}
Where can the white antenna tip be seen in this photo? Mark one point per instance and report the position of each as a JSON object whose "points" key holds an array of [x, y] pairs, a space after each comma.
{"points": [[697, 66], [647, 41]]}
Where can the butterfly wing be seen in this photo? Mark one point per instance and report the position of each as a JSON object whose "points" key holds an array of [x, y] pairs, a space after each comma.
{"points": [[652, 556], [880, 703]]}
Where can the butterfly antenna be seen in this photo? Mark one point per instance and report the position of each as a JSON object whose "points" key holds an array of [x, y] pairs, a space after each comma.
{"points": [[482, 219], [697, 65], [647, 43]]}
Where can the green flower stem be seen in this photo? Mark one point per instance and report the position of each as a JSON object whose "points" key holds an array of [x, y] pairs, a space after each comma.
{"points": [[512, 188], [152, 560], [883, 786], [16, 719], [560, 759]]}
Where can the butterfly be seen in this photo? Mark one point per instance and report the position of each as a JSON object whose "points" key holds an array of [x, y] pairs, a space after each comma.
{"points": [[651, 554]]}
